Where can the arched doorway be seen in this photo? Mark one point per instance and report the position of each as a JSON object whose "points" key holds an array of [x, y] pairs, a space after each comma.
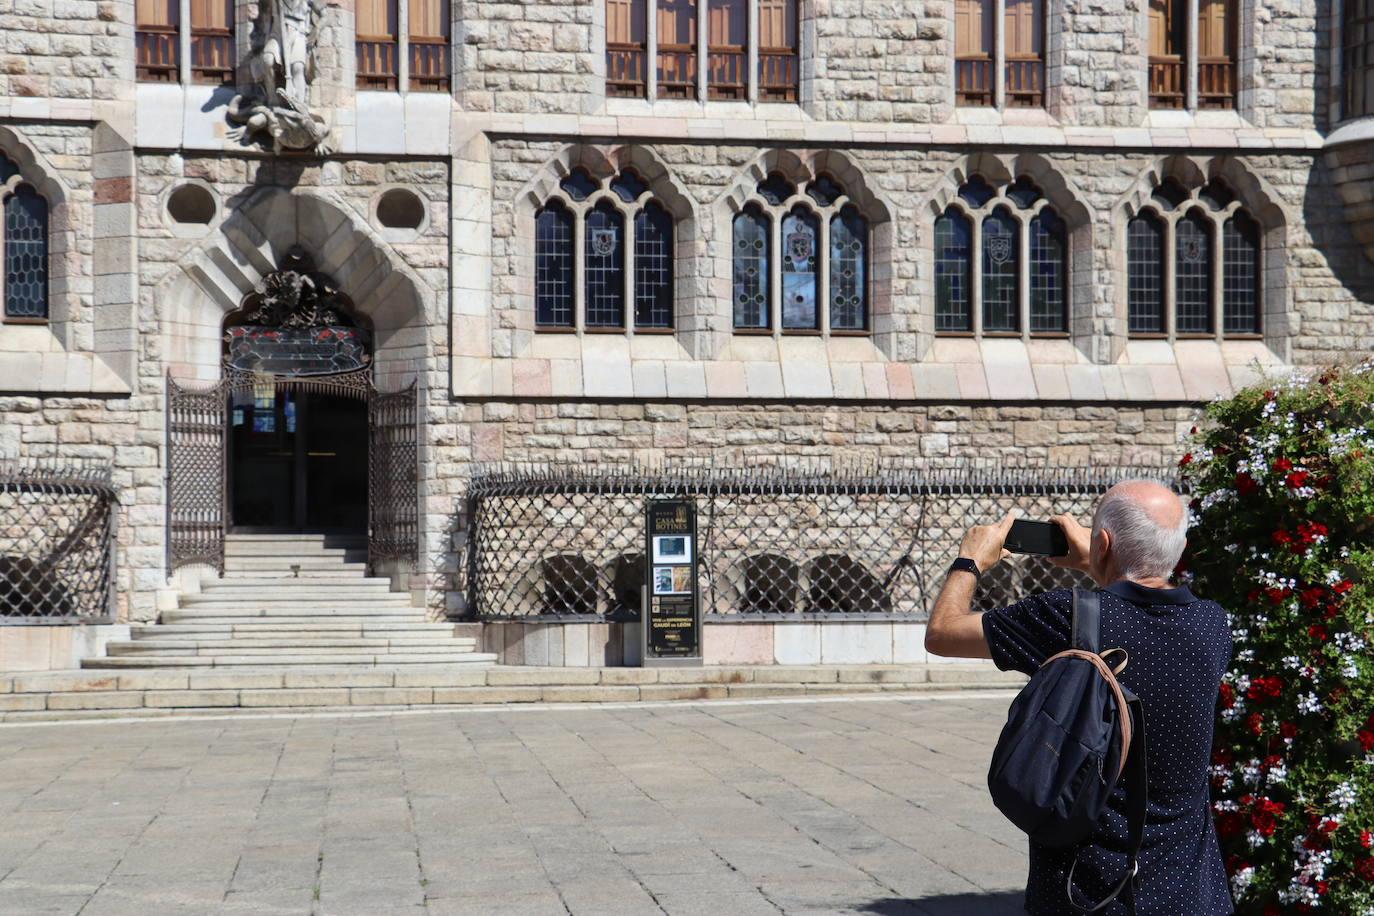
{"points": [[298, 360], [295, 437]]}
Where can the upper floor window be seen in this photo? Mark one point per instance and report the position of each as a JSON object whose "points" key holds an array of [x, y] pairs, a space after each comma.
{"points": [[1001, 262], [800, 261], [23, 247], [1357, 59], [1176, 81], [1018, 79], [1193, 265], [402, 44], [619, 240], [655, 49], [158, 40]]}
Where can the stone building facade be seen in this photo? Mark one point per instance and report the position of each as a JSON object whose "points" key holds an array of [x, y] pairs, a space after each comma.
{"points": [[446, 153]]}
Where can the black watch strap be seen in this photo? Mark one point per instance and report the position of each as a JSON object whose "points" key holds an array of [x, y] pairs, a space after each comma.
{"points": [[966, 565]]}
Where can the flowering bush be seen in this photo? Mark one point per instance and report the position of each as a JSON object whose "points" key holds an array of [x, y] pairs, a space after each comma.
{"points": [[1283, 497]]}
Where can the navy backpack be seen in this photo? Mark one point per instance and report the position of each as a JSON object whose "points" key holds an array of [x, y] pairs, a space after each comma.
{"points": [[1072, 734]]}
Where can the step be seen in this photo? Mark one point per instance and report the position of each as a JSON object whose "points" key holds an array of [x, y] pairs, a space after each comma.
{"points": [[238, 538], [276, 575], [307, 564], [371, 629], [270, 645], [132, 688], [270, 549], [298, 660], [292, 615], [305, 593], [371, 583]]}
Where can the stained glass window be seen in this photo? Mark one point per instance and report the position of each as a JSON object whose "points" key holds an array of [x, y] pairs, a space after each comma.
{"points": [[26, 254], [1048, 272], [604, 267], [1216, 195], [628, 186], [1240, 281], [1169, 194], [750, 270], [553, 266], [1193, 274], [578, 185], [848, 271], [824, 191], [800, 269], [976, 192], [1001, 299], [775, 189], [953, 272], [653, 267], [1145, 274], [1023, 192]]}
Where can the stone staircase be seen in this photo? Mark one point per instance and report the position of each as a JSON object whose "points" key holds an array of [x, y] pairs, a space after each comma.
{"points": [[293, 601]]}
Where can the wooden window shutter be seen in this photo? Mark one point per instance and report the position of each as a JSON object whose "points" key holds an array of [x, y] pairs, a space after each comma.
{"points": [[777, 24], [158, 13], [677, 22], [619, 16], [972, 28], [1214, 32], [428, 18], [729, 24], [376, 18], [1159, 28], [1024, 25], [211, 14]]}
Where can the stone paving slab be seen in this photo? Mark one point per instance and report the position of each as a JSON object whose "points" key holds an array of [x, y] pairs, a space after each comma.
{"points": [[868, 805]]}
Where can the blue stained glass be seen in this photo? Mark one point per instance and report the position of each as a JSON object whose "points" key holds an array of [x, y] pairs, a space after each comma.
{"points": [[578, 184], [653, 267], [750, 269], [775, 189], [953, 272], [1145, 274], [800, 270], [1047, 268], [604, 267], [628, 186], [1193, 274], [26, 254], [848, 271], [1001, 274], [824, 190], [553, 267], [976, 192], [1023, 192]]}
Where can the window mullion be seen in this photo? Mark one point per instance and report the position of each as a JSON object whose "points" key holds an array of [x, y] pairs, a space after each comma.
{"points": [[1023, 275], [703, 48], [628, 262], [999, 54], [651, 50], [1190, 69], [823, 298], [403, 45], [1170, 293], [184, 42], [775, 273], [753, 54], [579, 290], [1216, 277], [976, 275]]}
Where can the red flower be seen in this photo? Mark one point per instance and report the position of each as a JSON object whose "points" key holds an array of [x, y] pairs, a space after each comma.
{"points": [[1281, 466], [1228, 697], [1322, 887], [1245, 484], [1366, 739], [1186, 460], [1329, 826], [1365, 868], [1296, 479], [1282, 538], [1276, 595], [1342, 586], [1264, 688], [1288, 730], [1317, 631], [1264, 823], [1254, 722], [1308, 532], [1311, 597], [1269, 394], [1366, 839]]}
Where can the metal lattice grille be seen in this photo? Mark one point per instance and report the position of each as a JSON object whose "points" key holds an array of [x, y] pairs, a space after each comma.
{"points": [[57, 536], [1240, 276], [393, 465], [195, 474], [1193, 274], [559, 542], [953, 272], [1145, 274]]}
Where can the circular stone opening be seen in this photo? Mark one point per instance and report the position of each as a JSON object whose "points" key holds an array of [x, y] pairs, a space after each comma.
{"points": [[193, 204], [400, 209]]}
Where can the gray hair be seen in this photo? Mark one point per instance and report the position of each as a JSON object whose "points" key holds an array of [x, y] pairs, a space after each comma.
{"points": [[1143, 548]]}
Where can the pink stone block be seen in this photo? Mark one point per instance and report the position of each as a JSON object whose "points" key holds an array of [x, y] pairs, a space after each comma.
{"points": [[875, 381], [973, 384], [738, 644], [899, 385], [532, 378]]}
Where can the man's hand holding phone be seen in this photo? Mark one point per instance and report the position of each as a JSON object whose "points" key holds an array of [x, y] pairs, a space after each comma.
{"points": [[983, 543], [1079, 540]]}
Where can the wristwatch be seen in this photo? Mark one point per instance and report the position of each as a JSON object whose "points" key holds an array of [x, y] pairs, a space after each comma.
{"points": [[966, 565]]}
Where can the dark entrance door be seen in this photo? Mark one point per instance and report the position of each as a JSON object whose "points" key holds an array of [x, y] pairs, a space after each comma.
{"points": [[297, 460]]}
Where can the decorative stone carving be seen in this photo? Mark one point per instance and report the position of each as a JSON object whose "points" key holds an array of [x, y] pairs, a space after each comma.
{"points": [[281, 65], [295, 295]]}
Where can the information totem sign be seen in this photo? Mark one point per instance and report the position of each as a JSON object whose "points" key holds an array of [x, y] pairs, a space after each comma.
{"points": [[671, 631]]}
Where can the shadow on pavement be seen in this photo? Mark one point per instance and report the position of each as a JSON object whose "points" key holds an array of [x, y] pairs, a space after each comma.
{"points": [[1003, 904]]}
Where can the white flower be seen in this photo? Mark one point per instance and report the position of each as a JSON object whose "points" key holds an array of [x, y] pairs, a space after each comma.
{"points": [[1241, 880], [1308, 703], [1343, 796]]}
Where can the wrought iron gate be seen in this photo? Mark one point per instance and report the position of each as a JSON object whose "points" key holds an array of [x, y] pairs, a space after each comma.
{"points": [[197, 464], [393, 472]]}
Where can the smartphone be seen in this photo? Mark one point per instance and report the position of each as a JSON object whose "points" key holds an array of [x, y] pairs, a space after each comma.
{"points": [[1044, 539]]}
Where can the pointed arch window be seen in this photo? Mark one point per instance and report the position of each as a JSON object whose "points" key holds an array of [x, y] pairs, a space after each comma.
{"points": [[819, 267], [620, 240], [1019, 246], [23, 247], [1193, 265]]}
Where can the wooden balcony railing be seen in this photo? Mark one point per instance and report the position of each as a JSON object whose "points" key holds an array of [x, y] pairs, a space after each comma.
{"points": [[778, 75], [1167, 87], [1025, 81], [727, 69], [212, 56], [1216, 82], [626, 75], [677, 72], [158, 58], [973, 81], [428, 63], [376, 62]]}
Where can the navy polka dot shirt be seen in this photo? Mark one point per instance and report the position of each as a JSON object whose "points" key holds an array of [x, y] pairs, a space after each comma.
{"points": [[1179, 648]]}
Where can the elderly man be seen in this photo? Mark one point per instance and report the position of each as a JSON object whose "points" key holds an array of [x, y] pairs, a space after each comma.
{"points": [[1179, 648]]}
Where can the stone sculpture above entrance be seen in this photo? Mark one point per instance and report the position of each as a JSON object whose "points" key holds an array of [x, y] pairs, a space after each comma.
{"points": [[276, 106]]}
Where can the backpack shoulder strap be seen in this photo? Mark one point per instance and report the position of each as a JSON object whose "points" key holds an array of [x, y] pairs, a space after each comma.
{"points": [[1086, 633]]}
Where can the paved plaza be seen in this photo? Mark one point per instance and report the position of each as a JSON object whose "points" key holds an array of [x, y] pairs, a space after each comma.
{"points": [[847, 805]]}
